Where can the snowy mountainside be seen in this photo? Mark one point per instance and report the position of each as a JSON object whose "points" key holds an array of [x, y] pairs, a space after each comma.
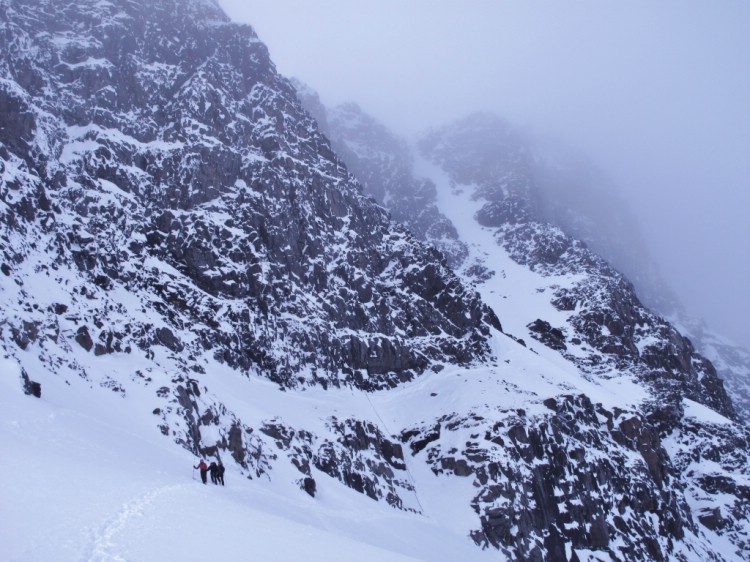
{"points": [[561, 189], [173, 220], [547, 286], [606, 313], [732, 361], [466, 152], [188, 269], [383, 164], [589, 314], [570, 195], [205, 183]]}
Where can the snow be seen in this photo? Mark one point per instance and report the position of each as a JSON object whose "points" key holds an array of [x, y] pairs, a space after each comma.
{"points": [[156, 263], [90, 467], [84, 141], [91, 479], [113, 189], [90, 62], [703, 413], [515, 293]]}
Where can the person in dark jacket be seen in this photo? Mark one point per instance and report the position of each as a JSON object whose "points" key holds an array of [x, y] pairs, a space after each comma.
{"points": [[220, 473], [213, 469], [204, 470]]}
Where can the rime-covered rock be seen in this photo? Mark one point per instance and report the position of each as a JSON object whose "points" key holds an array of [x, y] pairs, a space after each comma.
{"points": [[174, 226], [382, 163], [156, 150], [537, 215]]}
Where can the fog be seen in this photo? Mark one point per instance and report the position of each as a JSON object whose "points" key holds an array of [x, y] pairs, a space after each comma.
{"points": [[657, 94]]}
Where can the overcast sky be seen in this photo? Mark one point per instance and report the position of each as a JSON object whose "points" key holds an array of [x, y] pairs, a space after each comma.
{"points": [[656, 93]]}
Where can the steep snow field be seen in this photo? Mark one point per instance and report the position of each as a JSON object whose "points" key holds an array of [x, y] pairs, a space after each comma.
{"points": [[88, 477], [517, 295]]}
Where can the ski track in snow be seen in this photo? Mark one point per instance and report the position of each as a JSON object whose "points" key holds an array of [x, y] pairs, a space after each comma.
{"points": [[104, 544]]}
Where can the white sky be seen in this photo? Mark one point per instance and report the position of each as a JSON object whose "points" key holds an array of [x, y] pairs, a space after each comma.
{"points": [[656, 93]]}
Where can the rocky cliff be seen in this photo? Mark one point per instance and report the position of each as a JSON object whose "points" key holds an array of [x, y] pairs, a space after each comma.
{"points": [[537, 213], [163, 155], [176, 230], [549, 184]]}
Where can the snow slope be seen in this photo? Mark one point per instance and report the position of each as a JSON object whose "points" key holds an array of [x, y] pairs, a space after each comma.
{"points": [[188, 268], [87, 477], [91, 479]]}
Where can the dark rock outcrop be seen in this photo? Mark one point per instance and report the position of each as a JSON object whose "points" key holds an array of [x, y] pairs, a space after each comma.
{"points": [[30, 387], [187, 168], [569, 477], [161, 176]]}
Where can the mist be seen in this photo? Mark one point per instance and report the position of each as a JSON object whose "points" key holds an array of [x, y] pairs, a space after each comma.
{"points": [[656, 94]]}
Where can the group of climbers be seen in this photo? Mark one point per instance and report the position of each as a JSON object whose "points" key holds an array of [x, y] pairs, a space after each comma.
{"points": [[216, 470]]}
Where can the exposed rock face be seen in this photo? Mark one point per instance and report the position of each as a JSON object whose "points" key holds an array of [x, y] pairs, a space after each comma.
{"points": [[165, 198], [581, 476], [31, 387], [607, 332], [712, 455], [158, 150], [383, 164]]}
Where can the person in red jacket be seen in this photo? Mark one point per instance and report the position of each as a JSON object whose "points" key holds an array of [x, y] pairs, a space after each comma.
{"points": [[204, 469]]}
